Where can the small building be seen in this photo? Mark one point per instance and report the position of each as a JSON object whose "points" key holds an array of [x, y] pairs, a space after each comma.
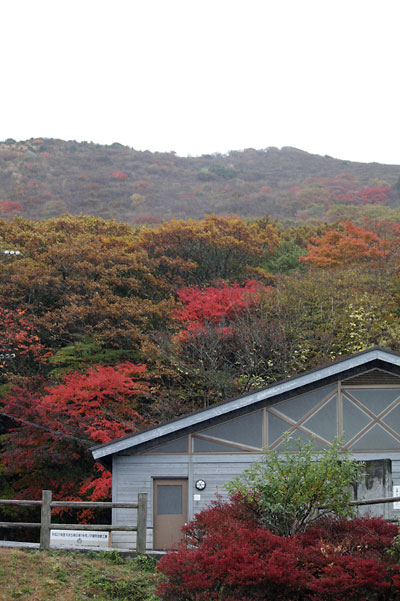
{"points": [[183, 464]]}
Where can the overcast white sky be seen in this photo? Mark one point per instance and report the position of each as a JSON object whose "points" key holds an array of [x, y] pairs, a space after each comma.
{"points": [[205, 76]]}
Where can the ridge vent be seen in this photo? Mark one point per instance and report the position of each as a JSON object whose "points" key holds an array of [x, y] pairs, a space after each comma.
{"points": [[374, 377]]}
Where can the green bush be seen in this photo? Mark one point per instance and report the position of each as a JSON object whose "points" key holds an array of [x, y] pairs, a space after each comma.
{"points": [[293, 488]]}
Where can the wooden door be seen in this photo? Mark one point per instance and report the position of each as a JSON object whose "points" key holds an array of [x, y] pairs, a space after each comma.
{"points": [[170, 511]]}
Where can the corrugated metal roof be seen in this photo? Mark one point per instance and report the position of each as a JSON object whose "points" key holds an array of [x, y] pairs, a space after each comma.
{"points": [[292, 384]]}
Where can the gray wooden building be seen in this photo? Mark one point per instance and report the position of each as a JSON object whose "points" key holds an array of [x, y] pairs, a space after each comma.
{"points": [[183, 464]]}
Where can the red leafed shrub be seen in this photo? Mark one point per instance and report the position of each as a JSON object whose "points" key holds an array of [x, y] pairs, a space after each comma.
{"points": [[119, 175], [82, 410], [225, 555], [370, 536], [375, 195], [19, 339], [9, 207], [215, 305], [349, 198]]}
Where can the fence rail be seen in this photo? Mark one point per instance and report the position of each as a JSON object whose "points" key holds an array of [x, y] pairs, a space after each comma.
{"points": [[46, 524], [376, 501], [47, 504]]}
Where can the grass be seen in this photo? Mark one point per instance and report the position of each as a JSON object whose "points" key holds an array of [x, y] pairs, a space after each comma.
{"points": [[27, 575]]}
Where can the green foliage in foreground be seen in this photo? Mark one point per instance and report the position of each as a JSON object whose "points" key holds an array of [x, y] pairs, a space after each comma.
{"points": [[75, 576], [291, 490]]}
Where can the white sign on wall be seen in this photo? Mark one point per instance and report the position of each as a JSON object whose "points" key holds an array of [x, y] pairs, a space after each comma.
{"points": [[79, 538], [396, 493]]}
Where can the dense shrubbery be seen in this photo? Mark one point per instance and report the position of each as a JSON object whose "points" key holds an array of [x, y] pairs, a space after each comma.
{"points": [[225, 555], [192, 301], [284, 536]]}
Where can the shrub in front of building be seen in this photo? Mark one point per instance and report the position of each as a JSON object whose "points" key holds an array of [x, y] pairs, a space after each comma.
{"points": [[288, 533], [226, 555]]}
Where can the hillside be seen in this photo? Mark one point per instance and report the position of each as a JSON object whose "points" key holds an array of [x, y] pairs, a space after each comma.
{"points": [[43, 178], [107, 329]]}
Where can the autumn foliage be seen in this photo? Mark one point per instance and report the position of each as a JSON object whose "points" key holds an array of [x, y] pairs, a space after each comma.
{"points": [[225, 555], [215, 305], [119, 175], [18, 339], [93, 407], [9, 207], [353, 244], [375, 195], [211, 249], [98, 180], [194, 301]]}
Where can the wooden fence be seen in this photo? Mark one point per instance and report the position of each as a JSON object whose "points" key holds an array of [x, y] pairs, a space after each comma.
{"points": [[47, 504], [46, 524]]}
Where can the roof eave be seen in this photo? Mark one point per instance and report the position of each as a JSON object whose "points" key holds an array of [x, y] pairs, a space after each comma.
{"points": [[292, 384]]}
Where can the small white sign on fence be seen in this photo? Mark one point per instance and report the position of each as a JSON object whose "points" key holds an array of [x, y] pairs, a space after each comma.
{"points": [[396, 493], [79, 538]]}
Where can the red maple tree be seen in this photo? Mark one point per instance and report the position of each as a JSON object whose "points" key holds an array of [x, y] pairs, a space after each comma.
{"points": [[215, 305], [50, 445], [18, 340]]}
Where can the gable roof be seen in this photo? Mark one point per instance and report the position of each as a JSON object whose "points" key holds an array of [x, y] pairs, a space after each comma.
{"points": [[355, 363]]}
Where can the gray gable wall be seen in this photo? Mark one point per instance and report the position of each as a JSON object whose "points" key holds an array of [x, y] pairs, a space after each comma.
{"points": [[305, 388], [357, 398]]}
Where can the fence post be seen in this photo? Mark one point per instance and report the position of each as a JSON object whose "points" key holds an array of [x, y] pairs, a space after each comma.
{"points": [[141, 523], [45, 520]]}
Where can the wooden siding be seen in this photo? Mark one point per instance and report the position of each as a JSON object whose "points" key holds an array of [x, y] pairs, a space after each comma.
{"points": [[337, 407], [396, 472], [127, 540], [134, 474]]}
